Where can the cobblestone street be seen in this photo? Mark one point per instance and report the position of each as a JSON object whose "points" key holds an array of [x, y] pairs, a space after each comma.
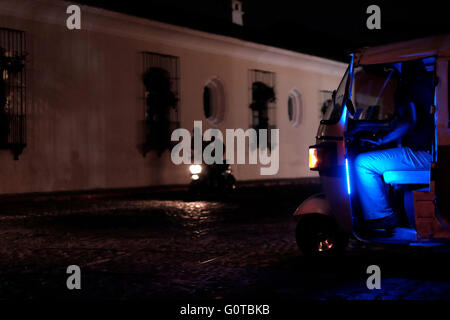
{"points": [[244, 246]]}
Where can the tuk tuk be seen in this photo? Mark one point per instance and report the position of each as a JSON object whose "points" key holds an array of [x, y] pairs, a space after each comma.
{"points": [[363, 107]]}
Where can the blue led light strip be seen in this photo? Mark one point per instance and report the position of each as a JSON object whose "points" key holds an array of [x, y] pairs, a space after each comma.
{"points": [[348, 176], [434, 153]]}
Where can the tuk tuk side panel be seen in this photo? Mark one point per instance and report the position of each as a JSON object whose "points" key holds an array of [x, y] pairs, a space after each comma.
{"points": [[333, 180], [427, 225], [335, 189], [442, 107], [442, 172]]}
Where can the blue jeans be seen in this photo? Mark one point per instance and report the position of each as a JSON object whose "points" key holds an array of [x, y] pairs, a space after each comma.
{"points": [[370, 167]]}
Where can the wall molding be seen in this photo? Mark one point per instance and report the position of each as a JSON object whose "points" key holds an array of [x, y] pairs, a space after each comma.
{"points": [[122, 25]]}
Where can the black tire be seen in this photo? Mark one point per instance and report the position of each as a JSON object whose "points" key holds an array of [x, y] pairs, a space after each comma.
{"points": [[317, 235], [194, 191], [230, 183]]}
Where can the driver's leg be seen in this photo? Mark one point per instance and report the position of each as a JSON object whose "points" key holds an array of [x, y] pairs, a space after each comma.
{"points": [[370, 167]]}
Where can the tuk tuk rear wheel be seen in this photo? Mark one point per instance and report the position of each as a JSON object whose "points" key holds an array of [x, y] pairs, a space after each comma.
{"points": [[317, 235]]}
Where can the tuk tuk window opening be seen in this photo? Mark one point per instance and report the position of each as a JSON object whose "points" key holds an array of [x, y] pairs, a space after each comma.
{"points": [[375, 87], [333, 111], [373, 92]]}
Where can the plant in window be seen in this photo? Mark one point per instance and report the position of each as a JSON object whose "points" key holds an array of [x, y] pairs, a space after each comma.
{"points": [[262, 95], [159, 101]]}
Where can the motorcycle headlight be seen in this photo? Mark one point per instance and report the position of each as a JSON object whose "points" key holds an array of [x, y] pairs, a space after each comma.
{"points": [[195, 169]]}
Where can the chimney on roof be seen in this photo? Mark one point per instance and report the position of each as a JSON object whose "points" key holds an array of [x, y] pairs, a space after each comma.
{"points": [[237, 13]]}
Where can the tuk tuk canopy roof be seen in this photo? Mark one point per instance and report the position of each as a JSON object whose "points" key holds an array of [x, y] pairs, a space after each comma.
{"points": [[408, 50]]}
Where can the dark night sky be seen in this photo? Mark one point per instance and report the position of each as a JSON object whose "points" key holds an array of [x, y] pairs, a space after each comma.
{"points": [[316, 27]]}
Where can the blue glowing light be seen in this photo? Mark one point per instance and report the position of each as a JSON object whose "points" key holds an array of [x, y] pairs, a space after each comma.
{"points": [[351, 77], [343, 118], [420, 54], [348, 177], [343, 115], [435, 126]]}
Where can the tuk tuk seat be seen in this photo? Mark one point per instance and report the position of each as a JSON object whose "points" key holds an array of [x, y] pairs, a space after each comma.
{"points": [[407, 177]]}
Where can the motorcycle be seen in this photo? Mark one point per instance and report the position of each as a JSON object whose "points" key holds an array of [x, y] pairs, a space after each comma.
{"points": [[214, 178]]}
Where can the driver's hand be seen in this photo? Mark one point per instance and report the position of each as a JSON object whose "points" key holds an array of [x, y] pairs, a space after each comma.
{"points": [[375, 142]]}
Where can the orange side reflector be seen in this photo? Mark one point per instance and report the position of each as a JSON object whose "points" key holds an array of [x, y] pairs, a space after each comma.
{"points": [[313, 160]]}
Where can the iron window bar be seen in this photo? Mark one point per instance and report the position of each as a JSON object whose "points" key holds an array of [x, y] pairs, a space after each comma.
{"points": [[154, 138], [268, 79], [13, 133]]}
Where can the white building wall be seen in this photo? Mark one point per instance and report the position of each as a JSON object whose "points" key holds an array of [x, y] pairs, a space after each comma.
{"points": [[85, 111]]}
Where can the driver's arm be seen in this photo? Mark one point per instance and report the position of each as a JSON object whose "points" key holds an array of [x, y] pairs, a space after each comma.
{"points": [[407, 120]]}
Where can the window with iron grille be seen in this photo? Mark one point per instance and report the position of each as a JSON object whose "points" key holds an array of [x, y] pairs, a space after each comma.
{"points": [[262, 97], [12, 91], [161, 81]]}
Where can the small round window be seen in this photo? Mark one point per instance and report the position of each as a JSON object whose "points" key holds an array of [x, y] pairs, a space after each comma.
{"points": [[295, 106], [214, 101]]}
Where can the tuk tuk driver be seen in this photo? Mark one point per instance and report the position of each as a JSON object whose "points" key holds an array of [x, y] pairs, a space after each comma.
{"points": [[414, 125]]}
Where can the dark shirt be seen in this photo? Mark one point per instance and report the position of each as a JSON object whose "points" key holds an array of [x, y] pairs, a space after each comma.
{"points": [[420, 92]]}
